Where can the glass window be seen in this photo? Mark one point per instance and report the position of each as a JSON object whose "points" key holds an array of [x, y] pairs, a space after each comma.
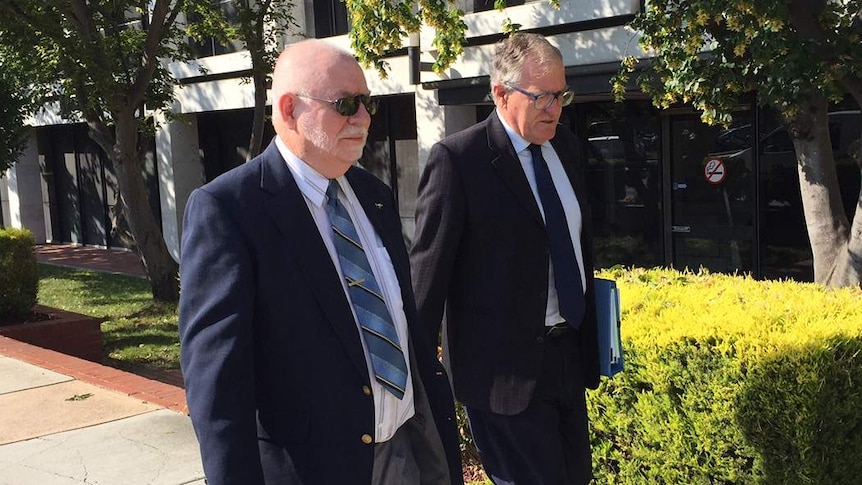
{"points": [[330, 18], [391, 153], [622, 144], [485, 5], [784, 244]]}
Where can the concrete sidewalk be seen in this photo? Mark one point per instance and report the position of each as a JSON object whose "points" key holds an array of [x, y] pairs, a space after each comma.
{"points": [[66, 421]]}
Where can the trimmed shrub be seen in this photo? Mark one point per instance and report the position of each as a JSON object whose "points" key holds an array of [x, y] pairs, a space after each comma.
{"points": [[731, 380], [19, 274]]}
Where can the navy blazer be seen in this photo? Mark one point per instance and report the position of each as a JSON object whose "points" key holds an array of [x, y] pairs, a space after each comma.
{"points": [[276, 378], [481, 253]]}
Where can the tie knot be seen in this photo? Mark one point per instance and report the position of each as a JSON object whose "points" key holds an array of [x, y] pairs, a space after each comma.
{"points": [[332, 191], [535, 150]]}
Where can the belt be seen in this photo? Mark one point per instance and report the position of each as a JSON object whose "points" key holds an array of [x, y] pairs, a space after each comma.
{"points": [[558, 330]]}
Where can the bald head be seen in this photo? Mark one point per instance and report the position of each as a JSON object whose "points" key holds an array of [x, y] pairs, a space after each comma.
{"points": [[308, 77], [305, 65]]}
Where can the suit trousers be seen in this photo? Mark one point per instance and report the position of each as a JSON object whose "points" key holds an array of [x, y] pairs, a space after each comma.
{"points": [[394, 462], [548, 443]]}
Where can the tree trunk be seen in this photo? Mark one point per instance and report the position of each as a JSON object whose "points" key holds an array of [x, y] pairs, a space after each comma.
{"points": [[162, 270], [255, 145], [827, 223]]}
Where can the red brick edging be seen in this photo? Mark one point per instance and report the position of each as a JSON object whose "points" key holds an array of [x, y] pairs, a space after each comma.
{"points": [[155, 392], [66, 332]]}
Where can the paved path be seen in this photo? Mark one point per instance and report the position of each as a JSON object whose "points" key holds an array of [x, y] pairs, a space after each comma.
{"points": [[68, 421]]}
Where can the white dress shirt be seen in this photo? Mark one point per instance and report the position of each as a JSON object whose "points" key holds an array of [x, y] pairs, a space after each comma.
{"points": [[570, 206], [390, 412]]}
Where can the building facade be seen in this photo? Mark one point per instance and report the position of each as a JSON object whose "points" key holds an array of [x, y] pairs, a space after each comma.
{"points": [[666, 189]]}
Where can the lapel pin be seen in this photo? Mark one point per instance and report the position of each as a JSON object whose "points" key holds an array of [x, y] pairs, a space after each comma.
{"points": [[378, 205]]}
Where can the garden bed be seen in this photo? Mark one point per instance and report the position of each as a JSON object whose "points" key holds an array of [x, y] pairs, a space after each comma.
{"points": [[59, 330]]}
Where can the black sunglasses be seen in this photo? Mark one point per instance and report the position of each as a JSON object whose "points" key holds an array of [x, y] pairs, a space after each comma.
{"points": [[348, 106]]}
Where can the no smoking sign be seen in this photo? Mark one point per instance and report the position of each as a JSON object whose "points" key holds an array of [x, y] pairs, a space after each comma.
{"points": [[714, 171]]}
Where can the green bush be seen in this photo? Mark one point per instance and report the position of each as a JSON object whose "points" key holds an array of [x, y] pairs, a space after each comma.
{"points": [[19, 274], [731, 380]]}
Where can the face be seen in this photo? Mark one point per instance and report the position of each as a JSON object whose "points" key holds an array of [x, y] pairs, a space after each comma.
{"points": [[331, 143], [534, 125]]}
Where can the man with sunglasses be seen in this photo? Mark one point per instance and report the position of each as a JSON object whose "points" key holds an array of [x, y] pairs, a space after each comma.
{"points": [[503, 245], [302, 354]]}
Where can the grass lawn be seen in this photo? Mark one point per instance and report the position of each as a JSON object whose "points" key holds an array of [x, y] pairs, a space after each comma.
{"points": [[137, 330]]}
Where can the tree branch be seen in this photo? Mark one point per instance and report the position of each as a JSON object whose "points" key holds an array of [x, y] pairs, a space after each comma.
{"points": [[853, 85], [163, 17]]}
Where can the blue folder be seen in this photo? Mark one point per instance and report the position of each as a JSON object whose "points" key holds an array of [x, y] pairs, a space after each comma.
{"points": [[608, 319]]}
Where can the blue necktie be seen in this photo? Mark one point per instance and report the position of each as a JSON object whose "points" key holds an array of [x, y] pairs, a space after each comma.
{"points": [[379, 333], [567, 275]]}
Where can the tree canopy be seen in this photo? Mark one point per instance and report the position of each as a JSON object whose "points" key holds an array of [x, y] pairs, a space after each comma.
{"points": [[102, 62], [709, 53], [378, 27], [13, 133]]}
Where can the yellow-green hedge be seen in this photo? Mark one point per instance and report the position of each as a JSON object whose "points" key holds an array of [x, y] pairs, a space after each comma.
{"points": [[731, 380], [19, 274]]}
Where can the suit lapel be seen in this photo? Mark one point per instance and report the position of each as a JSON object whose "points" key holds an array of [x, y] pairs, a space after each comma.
{"points": [[289, 212], [509, 168]]}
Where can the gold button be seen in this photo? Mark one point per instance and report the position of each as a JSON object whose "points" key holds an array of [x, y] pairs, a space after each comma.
{"points": [[366, 390], [367, 439]]}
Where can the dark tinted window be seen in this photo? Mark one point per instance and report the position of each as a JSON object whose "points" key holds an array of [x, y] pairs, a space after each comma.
{"points": [[330, 18], [623, 150]]}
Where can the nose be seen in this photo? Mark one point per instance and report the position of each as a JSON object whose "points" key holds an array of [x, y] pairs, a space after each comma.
{"points": [[362, 116], [555, 106]]}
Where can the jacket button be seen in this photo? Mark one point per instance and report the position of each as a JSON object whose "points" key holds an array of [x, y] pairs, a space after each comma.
{"points": [[367, 439], [540, 340], [366, 390]]}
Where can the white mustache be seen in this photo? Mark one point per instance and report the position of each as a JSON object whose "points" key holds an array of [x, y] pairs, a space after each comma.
{"points": [[355, 132]]}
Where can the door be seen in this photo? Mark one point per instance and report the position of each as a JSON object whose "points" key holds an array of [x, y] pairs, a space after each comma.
{"points": [[712, 194]]}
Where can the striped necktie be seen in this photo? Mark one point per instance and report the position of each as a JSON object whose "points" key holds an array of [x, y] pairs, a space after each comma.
{"points": [[381, 338], [567, 275]]}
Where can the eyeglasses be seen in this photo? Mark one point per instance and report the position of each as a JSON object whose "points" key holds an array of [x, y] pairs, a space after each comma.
{"points": [[543, 101], [348, 106]]}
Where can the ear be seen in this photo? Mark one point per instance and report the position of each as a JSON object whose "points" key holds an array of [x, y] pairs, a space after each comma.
{"points": [[285, 105], [500, 94]]}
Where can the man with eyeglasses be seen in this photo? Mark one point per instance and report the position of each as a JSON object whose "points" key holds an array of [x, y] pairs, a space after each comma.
{"points": [[503, 246], [301, 349]]}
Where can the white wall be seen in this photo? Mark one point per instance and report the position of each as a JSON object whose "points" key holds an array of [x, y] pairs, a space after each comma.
{"points": [[434, 122], [25, 193], [578, 48]]}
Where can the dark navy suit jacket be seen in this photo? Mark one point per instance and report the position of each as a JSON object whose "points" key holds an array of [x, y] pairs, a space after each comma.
{"points": [[276, 379], [481, 254]]}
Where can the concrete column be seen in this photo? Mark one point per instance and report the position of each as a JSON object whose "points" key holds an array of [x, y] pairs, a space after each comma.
{"points": [[180, 171], [435, 122], [25, 193], [5, 221]]}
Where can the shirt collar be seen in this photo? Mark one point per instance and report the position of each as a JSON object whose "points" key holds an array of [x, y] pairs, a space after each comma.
{"points": [[518, 142], [311, 183]]}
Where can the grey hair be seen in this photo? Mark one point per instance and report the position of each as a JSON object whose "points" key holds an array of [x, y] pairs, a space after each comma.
{"points": [[513, 51]]}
